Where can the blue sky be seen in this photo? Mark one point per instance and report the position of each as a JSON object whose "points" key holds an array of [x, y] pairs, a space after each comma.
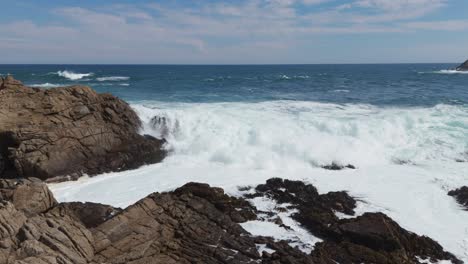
{"points": [[234, 32]]}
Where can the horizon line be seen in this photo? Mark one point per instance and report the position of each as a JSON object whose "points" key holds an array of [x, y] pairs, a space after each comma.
{"points": [[224, 64]]}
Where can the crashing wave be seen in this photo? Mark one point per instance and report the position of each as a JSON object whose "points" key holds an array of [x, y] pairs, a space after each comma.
{"points": [[72, 75], [112, 78], [263, 135]]}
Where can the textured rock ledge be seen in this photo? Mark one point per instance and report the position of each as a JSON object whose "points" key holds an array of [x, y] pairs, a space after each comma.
{"points": [[197, 223], [63, 133]]}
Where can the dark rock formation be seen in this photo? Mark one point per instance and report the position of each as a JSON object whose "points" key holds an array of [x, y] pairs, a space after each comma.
{"points": [[196, 224], [336, 166], [370, 238], [2, 164], [62, 133], [463, 66], [461, 195]]}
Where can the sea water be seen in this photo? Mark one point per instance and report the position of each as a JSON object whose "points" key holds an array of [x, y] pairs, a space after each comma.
{"points": [[403, 126]]}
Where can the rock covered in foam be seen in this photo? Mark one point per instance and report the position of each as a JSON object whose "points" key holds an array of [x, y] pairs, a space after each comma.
{"points": [[461, 195], [370, 238], [336, 166], [62, 133]]}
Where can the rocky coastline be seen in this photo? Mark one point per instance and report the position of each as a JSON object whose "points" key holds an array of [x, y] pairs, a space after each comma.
{"points": [[197, 223], [62, 133]]}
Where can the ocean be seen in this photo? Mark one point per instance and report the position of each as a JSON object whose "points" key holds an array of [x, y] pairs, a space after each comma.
{"points": [[403, 126]]}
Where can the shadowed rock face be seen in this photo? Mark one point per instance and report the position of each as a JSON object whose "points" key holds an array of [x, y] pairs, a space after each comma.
{"points": [[196, 224], [461, 195], [463, 66], [62, 133]]}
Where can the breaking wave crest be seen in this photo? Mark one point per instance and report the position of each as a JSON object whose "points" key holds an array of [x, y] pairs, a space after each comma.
{"points": [[286, 133], [72, 75]]}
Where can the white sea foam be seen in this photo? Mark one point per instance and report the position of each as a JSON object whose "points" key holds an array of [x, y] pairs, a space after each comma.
{"points": [[405, 157], [341, 91], [452, 72], [286, 77], [46, 85], [296, 235], [112, 78], [72, 75], [446, 72]]}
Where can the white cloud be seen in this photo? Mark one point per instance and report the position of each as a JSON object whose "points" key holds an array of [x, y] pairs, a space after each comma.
{"points": [[448, 25], [165, 33]]}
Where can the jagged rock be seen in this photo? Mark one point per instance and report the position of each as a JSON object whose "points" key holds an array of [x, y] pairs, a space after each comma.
{"points": [[316, 212], [59, 238], [190, 225], [28, 195], [65, 132], [375, 238], [461, 195], [370, 238], [463, 66], [197, 223], [336, 166]]}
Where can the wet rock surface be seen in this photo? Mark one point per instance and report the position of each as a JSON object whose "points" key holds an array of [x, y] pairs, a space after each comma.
{"points": [[370, 238], [62, 133], [336, 166], [197, 223], [461, 195]]}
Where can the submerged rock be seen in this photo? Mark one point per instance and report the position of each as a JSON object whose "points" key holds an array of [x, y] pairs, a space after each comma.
{"points": [[461, 195], [62, 133], [463, 66], [336, 166]]}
